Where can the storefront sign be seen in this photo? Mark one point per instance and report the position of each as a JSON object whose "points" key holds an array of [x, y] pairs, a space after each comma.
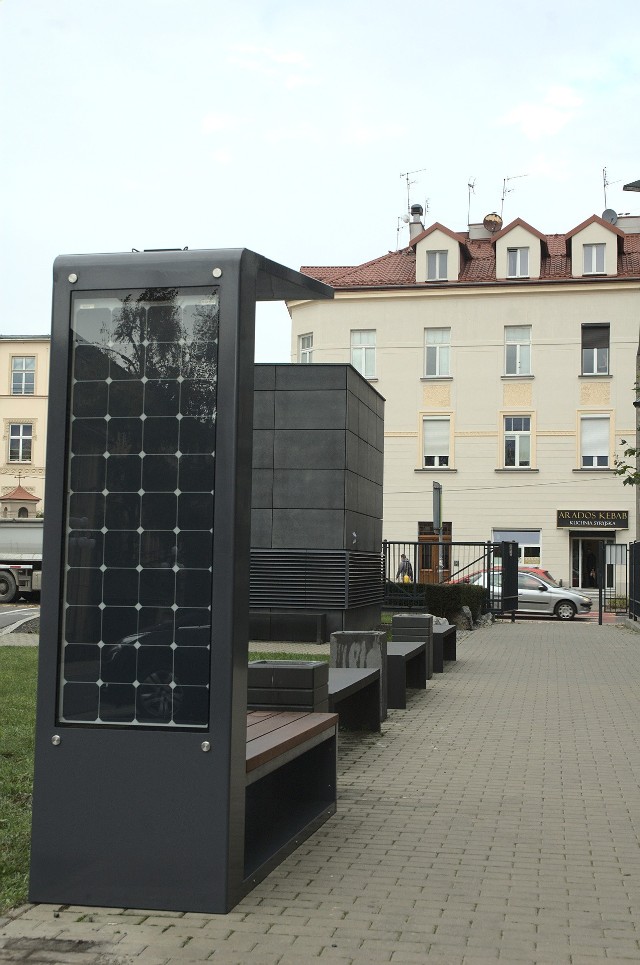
{"points": [[593, 518]]}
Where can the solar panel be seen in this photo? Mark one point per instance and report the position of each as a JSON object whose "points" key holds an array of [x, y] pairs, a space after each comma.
{"points": [[138, 551]]}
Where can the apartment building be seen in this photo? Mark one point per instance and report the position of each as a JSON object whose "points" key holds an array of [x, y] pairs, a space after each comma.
{"points": [[507, 358], [24, 381]]}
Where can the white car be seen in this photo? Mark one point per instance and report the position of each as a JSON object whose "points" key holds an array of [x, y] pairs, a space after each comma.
{"points": [[536, 595]]}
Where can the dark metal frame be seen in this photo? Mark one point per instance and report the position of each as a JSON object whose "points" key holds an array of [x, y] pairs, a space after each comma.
{"points": [[142, 817], [484, 556]]}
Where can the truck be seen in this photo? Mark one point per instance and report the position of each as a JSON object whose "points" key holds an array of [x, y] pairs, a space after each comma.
{"points": [[20, 558]]}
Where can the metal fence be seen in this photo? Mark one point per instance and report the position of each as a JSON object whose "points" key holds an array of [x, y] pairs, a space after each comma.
{"points": [[634, 580], [408, 566]]}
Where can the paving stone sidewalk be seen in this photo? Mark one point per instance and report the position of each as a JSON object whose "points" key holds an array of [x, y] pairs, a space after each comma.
{"points": [[496, 819]]}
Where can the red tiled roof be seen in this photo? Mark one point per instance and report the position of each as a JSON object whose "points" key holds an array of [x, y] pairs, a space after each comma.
{"points": [[478, 261], [20, 495], [395, 268]]}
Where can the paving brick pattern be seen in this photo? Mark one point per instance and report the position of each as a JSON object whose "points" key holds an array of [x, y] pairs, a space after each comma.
{"points": [[497, 819]]}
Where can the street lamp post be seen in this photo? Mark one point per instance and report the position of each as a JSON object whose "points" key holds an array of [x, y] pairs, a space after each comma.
{"points": [[635, 186]]}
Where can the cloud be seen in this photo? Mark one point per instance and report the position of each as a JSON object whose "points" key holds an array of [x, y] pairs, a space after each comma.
{"points": [[214, 123], [371, 133], [285, 66], [222, 156], [558, 108], [556, 168]]}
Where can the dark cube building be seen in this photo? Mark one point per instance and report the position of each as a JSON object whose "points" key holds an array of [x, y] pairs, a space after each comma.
{"points": [[316, 509]]}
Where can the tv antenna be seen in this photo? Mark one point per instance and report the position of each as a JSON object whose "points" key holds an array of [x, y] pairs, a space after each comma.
{"points": [[605, 184], [506, 190], [407, 176], [471, 188], [402, 220]]}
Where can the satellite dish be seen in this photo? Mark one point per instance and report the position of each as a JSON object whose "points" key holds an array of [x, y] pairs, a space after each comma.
{"points": [[492, 222], [610, 215]]}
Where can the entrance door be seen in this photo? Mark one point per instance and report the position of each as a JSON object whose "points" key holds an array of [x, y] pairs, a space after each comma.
{"points": [[434, 564], [584, 561]]}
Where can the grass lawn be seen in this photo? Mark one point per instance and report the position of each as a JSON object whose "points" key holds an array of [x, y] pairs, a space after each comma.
{"points": [[18, 674]]}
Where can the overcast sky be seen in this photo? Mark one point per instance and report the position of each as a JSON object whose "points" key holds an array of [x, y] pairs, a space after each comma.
{"points": [[285, 127]]}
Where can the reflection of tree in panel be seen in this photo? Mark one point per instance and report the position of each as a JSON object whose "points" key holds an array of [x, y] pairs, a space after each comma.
{"points": [[154, 317], [129, 333], [164, 334], [200, 361]]}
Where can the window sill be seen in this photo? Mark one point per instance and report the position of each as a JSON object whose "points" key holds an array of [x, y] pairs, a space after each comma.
{"points": [[436, 378], [516, 469], [594, 469], [518, 277], [595, 375], [522, 378], [436, 469]]}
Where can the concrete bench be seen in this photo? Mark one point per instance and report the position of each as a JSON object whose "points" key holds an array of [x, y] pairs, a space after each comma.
{"points": [[354, 694], [406, 670], [290, 784]]}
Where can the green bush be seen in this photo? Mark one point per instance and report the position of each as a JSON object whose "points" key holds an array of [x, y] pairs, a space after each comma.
{"points": [[475, 597], [441, 599]]}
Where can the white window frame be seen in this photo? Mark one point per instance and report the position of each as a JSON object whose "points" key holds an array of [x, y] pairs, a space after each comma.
{"points": [[597, 458], [520, 360], [517, 262], [592, 254], [512, 431], [437, 352], [440, 457], [526, 539], [437, 265], [595, 361], [305, 348], [18, 435], [20, 374], [363, 351]]}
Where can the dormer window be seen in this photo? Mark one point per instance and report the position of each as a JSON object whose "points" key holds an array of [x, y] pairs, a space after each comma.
{"points": [[594, 259], [517, 262], [436, 266]]}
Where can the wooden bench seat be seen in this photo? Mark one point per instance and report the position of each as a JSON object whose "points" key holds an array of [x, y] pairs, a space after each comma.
{"points": [[273, 736], [291, 767]]}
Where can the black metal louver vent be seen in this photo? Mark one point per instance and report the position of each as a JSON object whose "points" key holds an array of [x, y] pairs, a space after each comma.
{"points": [[305, 579], [365, 579], [314, 579]]}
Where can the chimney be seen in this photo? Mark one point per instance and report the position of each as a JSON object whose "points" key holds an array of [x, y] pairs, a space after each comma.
{"points": [[416, 225]]}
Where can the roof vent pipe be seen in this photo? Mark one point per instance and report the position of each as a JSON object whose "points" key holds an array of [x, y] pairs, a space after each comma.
{"points": [[416, 225]]}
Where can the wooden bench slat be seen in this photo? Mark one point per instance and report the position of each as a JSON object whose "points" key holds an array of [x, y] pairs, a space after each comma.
{"points": [[266, 721], [287, 730]]}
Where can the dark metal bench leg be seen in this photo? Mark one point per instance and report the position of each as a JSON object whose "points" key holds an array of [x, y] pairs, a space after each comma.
{"points": [[417, 672], [396, 682], [438, 660]]}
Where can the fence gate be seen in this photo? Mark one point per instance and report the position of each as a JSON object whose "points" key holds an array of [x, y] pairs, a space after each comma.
{"points": [[614, 579]]}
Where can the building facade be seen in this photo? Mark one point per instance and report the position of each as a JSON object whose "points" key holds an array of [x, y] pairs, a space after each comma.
{"points": [[24, 383], [507, 358]]}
